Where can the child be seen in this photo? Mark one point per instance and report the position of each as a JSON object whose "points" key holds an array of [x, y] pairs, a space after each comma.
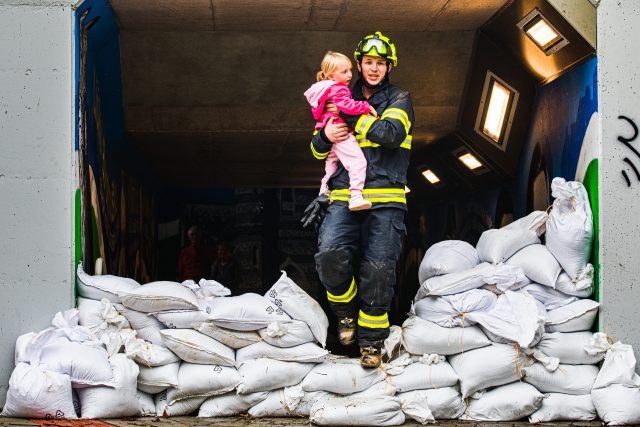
{"points": [[332, 85]]}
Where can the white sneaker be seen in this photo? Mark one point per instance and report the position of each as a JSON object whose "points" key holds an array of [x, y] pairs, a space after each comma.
{"points": [[358, 203]]}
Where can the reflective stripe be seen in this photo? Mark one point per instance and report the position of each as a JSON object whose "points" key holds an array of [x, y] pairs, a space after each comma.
{"points": [[364, 142], [399, 111], [319, 156], [373, 322], [378, 195], [347, 296], [363, 124], [398, 114]]}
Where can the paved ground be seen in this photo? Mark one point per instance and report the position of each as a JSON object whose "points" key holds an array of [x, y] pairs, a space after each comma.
{"points": [[241, 421]]}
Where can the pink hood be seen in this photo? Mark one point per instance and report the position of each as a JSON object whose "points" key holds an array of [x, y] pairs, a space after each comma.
{"points": [[317, 95]]}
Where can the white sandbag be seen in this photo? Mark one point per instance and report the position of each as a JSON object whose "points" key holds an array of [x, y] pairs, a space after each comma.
{"points": [[392, 342], [146, 326], [341, 376], [515, 316], [416, 407], [287, 334], [452, 310], [113, 402], [617, 404], [444, 403], [230, 404], [305, 353], [247, 312], [181, 319], [300, 306], [485, 367], [288, 402], [564, 407], [100, 316], [454, 283], [619, 367], [148, 354], [420, 336], [269, 374], [177, 408], [159, 296], [153, 380], [229, 337], [577, 316], [195, 380], [147, 406], [498, 245], [195, 347], [35, 392], [538, 264], [536, 221], [449, 256], [86, 365], [421, 376], [567, 379], [507, 403], [583, 286], [21, 354], [345, 411], [549, 297], [383, 388], [569, 348], [505, 277], [570, 226], [107, 286], [207, 288]]}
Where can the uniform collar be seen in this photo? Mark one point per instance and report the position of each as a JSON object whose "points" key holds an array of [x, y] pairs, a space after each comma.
{"points": [[379, 95]]}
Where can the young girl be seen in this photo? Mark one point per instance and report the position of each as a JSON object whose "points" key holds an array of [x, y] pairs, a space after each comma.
{"points": [[332, 85]]}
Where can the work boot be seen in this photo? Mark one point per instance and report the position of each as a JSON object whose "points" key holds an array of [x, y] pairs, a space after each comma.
{"points": [[347, 330], [371, 357]]}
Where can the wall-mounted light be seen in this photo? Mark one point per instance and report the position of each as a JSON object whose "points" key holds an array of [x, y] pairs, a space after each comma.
{"points": [[470, 161], [496, 110], [542, 33], [430, 176]]}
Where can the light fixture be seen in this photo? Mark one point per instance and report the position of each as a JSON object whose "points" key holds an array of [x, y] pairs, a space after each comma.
{"points": [[496, 110], [470, 161], [430, 176], [542, 33], [407, 190]]}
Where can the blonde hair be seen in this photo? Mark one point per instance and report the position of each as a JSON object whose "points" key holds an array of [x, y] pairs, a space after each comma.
{"points": [[330, 63]]}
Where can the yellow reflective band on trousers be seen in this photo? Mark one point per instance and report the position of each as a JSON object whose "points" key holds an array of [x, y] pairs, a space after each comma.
{"points": [[347, 296], [364, 142], [373, 322], [363, 124], [374, 195]]}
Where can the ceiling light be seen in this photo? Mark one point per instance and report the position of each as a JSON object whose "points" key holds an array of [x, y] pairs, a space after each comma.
{"points": [[470, 161], [497, 110], [430, 176], [407, 189], [542, 33]]}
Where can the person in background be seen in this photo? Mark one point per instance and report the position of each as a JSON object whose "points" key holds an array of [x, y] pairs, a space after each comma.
{"points": [[223, 269], [195, 257]]}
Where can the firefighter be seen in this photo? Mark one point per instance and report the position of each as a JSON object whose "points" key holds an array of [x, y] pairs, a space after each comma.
{"points": [[358, 251]]}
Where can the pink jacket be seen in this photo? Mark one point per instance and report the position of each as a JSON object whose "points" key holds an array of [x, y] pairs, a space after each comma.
{"points": [[319, 93]]}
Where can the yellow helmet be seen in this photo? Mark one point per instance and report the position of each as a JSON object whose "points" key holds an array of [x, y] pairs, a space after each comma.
{"points": [[376, 45]]}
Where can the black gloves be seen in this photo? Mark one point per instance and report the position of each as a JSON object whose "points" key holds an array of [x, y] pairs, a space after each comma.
{"points": [[314, 213]]}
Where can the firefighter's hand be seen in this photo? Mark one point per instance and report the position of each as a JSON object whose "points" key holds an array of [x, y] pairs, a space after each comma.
{"points": [[315, 212], [336, 132], [331, 107]]}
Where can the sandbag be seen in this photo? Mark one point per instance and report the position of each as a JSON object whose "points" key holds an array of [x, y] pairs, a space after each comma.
{"points": [[570, 226], [268, 374], [118, 401], [416, 407], [449, 256], [147, 406], [177, 408], [498, 245], [454, 283], [506, 403], [582, 287], [569, 348], [421, 376], [549, 297], [444, 403], [300, 306], [107, 286], [86, 365], [345, 411], [181, 319], [341, 376], [420, 336], [452, 310], [229, 337], [100, 316], [195, 380], [505, 277], [567, 379], [230, 404], [146, 326], [538, 264], [247, 312], [159, 296], [148, 354], [288, 402], [577, 316], [153, 380], [305, 353], [192, 346], [617, 404], [23, 342], [383, 388], [288, 334], [564, 407], [486, 367], [35, 392], [207, 288]]}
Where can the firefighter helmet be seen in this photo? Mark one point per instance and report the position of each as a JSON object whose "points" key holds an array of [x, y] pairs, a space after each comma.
{"points": [[376, 45]]}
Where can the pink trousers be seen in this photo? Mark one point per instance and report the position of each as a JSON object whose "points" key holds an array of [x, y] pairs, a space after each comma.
{"points": [[350, 155]]}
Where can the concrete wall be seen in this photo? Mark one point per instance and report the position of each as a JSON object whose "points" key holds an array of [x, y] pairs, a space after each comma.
{"points": [[619, 93], [36, 170]]}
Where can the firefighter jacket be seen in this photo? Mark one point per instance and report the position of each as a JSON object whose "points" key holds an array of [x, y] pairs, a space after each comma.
{"points": [[385, 142]]}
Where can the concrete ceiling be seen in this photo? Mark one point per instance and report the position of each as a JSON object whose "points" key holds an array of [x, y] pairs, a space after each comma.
{"points": [[213, 88]]}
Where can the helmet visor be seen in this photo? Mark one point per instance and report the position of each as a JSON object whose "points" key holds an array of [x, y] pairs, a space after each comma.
{"points": [[380, 46]]}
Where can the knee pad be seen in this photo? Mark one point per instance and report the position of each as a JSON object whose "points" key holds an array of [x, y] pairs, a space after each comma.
{"points": [[334, 266]]}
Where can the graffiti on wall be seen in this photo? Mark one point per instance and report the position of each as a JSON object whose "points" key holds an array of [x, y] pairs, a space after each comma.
{"points": [[626, 142]]}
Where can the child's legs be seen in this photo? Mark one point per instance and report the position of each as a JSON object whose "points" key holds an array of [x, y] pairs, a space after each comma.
{"points": [[330, 166], [352, 158]]}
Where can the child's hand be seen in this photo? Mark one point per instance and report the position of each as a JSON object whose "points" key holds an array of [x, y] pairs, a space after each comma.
{"points": [[373, 112]]}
